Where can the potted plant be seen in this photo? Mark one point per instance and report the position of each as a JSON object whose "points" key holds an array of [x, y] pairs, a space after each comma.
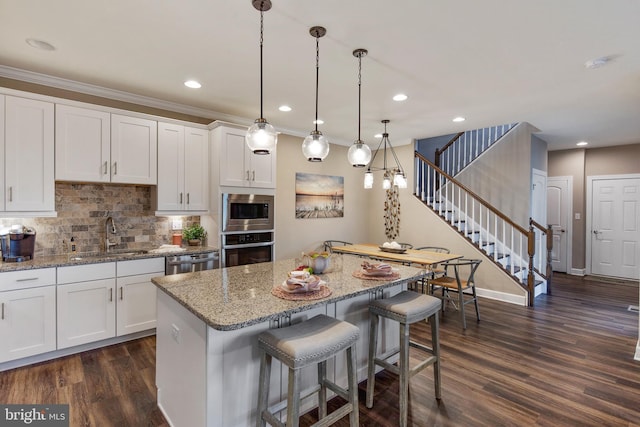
{"points": [[194, 234]]}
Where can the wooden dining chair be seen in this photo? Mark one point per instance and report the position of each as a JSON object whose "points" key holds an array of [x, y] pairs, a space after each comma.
{"points": [[435, 270], [458, 278], [329, 244]]}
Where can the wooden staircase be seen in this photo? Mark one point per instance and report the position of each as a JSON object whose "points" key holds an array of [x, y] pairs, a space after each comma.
{"points": [[523, 253]]}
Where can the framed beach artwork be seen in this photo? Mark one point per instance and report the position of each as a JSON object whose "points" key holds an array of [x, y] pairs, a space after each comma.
{"points": [[319, 196]]}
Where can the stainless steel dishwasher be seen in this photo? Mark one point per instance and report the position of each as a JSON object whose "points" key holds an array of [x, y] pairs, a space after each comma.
{"points": [[177, 264]]}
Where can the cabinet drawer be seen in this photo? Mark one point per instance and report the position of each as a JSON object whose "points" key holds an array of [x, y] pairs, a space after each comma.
{"points": [[83, 273], [141, 266], [24, 279]]}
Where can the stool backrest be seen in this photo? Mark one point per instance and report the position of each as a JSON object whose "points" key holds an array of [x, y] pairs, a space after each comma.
{"points": [[461, 268]]}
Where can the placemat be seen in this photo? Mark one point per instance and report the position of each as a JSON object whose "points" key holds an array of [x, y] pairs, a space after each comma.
{"points": [[361, 275], [323, 292]]}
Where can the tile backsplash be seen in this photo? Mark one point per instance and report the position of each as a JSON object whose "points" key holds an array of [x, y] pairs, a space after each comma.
{"points": [[82, 213]]}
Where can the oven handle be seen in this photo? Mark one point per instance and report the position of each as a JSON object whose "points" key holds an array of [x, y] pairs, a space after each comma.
{"points": [[248, 245]]}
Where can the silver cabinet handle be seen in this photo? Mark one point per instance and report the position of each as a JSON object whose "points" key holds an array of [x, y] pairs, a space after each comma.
{"points": [[11, 194], [115, 168], [28, 279], [111, 295], [180, 198], [2, 311], [187, 198], [254, 176], [106, 167], [121, 295], [247, 175]]}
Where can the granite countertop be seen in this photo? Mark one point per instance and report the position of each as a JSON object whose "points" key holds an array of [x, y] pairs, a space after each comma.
{"points": [[95, 258], [236, 297]]}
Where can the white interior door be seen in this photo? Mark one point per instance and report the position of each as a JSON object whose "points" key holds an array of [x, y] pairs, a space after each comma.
{"points": [[615, 227], [559, 218], [539, 214]]}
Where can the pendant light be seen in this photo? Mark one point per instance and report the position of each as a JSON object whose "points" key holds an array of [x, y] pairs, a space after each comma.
{"points": [[359, 154], [392, 174], [261, 138], [316, 146]]}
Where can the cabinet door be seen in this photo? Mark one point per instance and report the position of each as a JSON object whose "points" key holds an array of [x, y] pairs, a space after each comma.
{"points": [[232, 158], [196, 169], [262, 169], [171, 195], [136, 309], [28, 322], [86, 312], [29, 155], [134, 150], [83, 137]]}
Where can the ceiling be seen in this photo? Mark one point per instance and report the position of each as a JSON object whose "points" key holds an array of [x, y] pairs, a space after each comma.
{"points": [[491, 61]]}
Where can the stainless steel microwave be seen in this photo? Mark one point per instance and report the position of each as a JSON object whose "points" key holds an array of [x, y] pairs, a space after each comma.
{"points": [[241, 212]]}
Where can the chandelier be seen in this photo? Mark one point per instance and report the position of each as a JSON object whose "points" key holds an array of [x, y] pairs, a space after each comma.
{"points": [[261, 138], [359, 153], [392, 174], [316, 146]]}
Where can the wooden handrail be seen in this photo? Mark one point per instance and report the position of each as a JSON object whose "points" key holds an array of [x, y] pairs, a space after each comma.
{"points": [[439, 151], [538, 225], [472, 194]]}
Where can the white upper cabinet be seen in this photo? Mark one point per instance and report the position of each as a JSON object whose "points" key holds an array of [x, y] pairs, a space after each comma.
{"points": [[28, 161], [96, 146], [134, 150], [83, 141], [238, 166], [183, 168]]}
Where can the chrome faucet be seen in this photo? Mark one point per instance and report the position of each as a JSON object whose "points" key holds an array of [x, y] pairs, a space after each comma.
{"points": [[107, 242]]}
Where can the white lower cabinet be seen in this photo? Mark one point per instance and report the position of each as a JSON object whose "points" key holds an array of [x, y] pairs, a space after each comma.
{"points": [[136, 299], [28, 313], [100, 301], [86, 303]]}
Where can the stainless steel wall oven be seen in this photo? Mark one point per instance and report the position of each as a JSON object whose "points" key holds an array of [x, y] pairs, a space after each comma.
{"points": [[247, 248]]}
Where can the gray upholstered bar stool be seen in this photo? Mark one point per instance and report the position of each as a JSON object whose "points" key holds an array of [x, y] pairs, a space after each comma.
{"points": [[310, 342], [407, 307]]}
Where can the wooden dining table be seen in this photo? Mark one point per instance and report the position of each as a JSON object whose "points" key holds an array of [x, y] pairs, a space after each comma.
{"points": [[410, 256]]}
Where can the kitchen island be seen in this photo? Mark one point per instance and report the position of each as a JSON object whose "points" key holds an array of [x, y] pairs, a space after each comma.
{"points": [[207, 360]]}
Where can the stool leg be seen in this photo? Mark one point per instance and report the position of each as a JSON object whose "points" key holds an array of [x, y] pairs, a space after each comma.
{"points": [[435, 346], [373, 344], [461, 302], [322, 393], [352, 372], [403, 366], [263, 387], [293, 399]]}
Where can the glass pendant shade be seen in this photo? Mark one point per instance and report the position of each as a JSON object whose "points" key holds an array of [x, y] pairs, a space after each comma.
{"points": [[400, 180], [359, 154], [386, 183], [261, 138], [368, 180], [315, 147]]}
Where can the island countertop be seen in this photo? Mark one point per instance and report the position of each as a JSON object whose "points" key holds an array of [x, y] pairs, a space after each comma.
{"points": [[236, 297]]}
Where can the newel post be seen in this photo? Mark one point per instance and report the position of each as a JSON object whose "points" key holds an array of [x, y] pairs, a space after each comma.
{"points": [[531, 249]]}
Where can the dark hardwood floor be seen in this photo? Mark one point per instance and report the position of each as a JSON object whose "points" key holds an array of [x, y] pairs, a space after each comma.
{"points": [[566, 362]]}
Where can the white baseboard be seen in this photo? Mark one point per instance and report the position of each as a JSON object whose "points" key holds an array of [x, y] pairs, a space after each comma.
{"points": [[502, 296], [637, 356], [578, 271]]}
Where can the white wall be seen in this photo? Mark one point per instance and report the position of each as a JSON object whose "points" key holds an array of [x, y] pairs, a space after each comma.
{"points": [[296, 235]]}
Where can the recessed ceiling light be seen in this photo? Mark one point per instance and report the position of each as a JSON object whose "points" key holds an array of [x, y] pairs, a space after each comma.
{"points": [[582, 143], [459, 119], [318, 122], [597, 62], [284, 108], [40, 44], [400, 97], [192, 84]]}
